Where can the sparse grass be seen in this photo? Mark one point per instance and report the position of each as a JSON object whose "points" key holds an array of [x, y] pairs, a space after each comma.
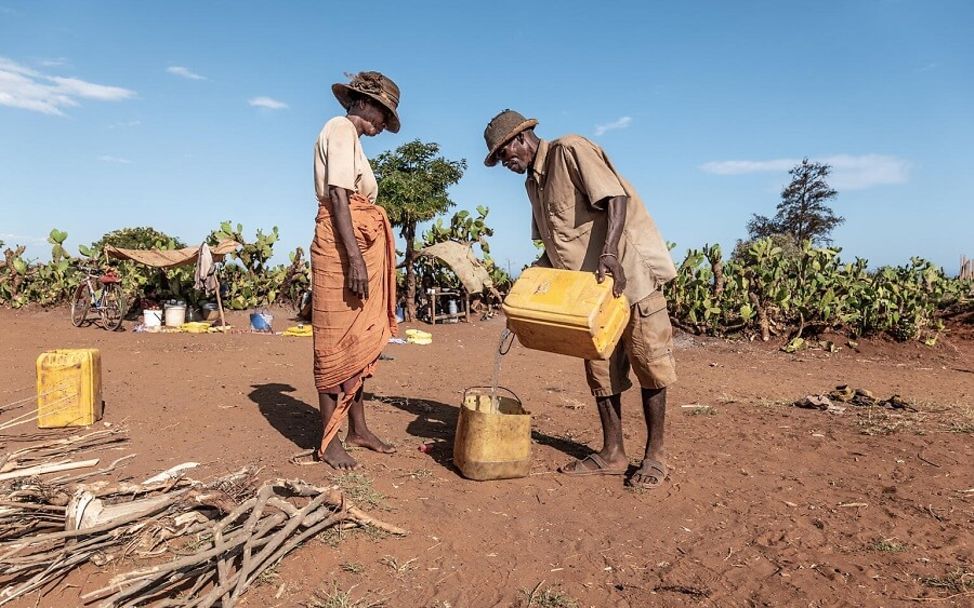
{"points": [[549, 597], [699, 410], [419, 474], [336, 535], [887, 545], [881, 422], [270, 576], [400, 569], [353, 567], [956, 581], [334, 598], [359, 489]]}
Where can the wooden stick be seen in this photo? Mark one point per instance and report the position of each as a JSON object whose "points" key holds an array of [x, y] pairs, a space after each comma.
{"points": [[219, 303], [48, 468]]}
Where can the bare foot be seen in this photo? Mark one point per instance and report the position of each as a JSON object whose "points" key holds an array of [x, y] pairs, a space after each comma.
{"points": [[369, 441], [336, 457]]}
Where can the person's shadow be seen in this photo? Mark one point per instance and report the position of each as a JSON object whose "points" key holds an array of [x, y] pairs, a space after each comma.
{"points": [[291, 417], [300, 423], [438, 422]]}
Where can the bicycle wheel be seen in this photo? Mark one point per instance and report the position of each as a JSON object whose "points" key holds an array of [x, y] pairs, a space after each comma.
{"points": [[112, 306], [80, 305]]}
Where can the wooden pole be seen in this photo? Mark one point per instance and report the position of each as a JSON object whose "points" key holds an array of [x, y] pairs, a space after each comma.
{"points": [[219, 303]]}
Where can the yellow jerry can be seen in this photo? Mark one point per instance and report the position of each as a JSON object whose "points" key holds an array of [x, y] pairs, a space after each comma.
{"points": [[493, 437], [69, 388], [566, 312]]}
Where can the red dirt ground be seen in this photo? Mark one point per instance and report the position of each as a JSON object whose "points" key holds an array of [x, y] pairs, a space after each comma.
{"points": [[751, 515]]}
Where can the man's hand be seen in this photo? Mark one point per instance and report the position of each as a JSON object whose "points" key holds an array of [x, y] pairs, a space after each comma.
{"points": [[609, 264], [358, 277]]}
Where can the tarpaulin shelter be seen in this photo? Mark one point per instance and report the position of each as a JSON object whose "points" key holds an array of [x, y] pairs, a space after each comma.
{"points": [[171, 258], [461, 260]]}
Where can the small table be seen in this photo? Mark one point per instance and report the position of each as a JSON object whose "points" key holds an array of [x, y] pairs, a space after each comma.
{"points": [[463, 305]]}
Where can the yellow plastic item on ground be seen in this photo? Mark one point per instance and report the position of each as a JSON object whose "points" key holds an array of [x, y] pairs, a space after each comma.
{"points": [[69, 388], [566, 312], [298, 331], [416, 336], [195, 327], [493, 439]]}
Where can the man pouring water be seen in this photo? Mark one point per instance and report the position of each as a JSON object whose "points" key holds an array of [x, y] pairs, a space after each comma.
{"points": [[589, 218]]}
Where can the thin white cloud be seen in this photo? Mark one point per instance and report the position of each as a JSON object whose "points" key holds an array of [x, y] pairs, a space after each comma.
{"points": [[105, 158], [125, 124], [21, 239], [268, 102], [621, 123], [184, 72], [27, 89], [849, 172], [55, 62]]}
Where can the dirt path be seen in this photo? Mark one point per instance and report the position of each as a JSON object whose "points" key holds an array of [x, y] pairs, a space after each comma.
{"points": [[758, 511]]}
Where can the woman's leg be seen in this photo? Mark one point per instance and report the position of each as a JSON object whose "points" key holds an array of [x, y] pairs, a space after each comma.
{"points": [[333, 453], [358, 431]]}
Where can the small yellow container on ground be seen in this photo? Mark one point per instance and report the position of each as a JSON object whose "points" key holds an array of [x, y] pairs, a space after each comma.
{"points": [[69, 388], [492, 442], [566, 312]]}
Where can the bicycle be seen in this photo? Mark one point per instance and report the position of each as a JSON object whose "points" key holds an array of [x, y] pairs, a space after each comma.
{"points": [[102, 293]]}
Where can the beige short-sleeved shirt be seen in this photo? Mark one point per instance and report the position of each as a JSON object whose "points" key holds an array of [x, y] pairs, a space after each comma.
{"points": [[568, 185], [340, 161]]}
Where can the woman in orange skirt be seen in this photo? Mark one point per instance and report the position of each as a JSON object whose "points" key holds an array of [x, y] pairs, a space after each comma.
{"points": [[352, 264]]}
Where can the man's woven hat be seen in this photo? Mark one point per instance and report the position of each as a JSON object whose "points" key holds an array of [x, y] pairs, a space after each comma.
{"points": [[502, 129], [374, 85]]}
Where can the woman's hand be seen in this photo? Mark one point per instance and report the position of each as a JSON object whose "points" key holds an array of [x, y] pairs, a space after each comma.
{"points": [[358, 277]]}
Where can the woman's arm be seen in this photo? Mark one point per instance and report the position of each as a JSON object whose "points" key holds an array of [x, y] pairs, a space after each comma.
{"points": [[357, 278]]}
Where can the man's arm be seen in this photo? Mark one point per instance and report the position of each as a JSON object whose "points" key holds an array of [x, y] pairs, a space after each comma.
{"points": [[615, 207]]}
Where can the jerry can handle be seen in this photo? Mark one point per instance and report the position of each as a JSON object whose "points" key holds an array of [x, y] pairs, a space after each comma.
{"points": [[467, 390], [509, 339]]}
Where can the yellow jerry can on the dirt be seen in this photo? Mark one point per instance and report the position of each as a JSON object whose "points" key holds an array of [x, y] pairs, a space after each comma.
{"points": [[69, 388], [493, 438], [566, 312]]}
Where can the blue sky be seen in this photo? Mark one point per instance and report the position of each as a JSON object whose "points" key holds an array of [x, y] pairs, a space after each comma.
{"points": [[181, 114]]}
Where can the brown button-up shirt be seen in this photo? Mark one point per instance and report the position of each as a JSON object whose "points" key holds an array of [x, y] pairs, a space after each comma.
{"points": [[569, 184]]}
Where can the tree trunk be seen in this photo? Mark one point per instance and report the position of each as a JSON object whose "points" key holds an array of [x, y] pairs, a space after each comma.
{"points": [[717, 267], [763, 321], [409, 233]]}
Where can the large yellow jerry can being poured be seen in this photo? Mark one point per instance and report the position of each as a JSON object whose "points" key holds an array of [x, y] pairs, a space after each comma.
{"points": [[69, 388], [566, 312]]}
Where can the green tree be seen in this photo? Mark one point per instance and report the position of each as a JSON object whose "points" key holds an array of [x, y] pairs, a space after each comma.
{"points": [[413, 183], [804, 213], [143, 237]]}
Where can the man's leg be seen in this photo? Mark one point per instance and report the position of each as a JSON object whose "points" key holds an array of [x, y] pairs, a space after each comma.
{"points": [[358, 431], [651, 355], [334, 453], [652, 471], [610, 414], [608, 380]]}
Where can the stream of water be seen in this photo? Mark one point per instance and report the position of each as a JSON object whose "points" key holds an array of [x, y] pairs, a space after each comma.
{"points": [[495, 378]]}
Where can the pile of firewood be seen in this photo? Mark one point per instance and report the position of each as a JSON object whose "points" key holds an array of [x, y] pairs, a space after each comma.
{"points": [[219, 535]]}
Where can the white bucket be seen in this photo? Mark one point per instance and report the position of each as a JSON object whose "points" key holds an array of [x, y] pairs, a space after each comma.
{"points": [[152, 318], [175, 316]]}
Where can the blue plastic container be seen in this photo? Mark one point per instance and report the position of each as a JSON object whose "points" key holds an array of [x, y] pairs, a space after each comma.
{"points": [[261, 321]]}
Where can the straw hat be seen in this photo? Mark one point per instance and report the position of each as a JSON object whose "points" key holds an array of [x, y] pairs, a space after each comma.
{"points": [[502, 129], [374, 85]]}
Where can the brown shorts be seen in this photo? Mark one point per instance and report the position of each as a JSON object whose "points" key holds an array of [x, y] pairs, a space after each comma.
{"points": [[646, 347]]}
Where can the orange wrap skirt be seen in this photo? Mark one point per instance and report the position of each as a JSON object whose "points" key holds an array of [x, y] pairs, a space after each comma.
{"points": [[350, 333]]}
